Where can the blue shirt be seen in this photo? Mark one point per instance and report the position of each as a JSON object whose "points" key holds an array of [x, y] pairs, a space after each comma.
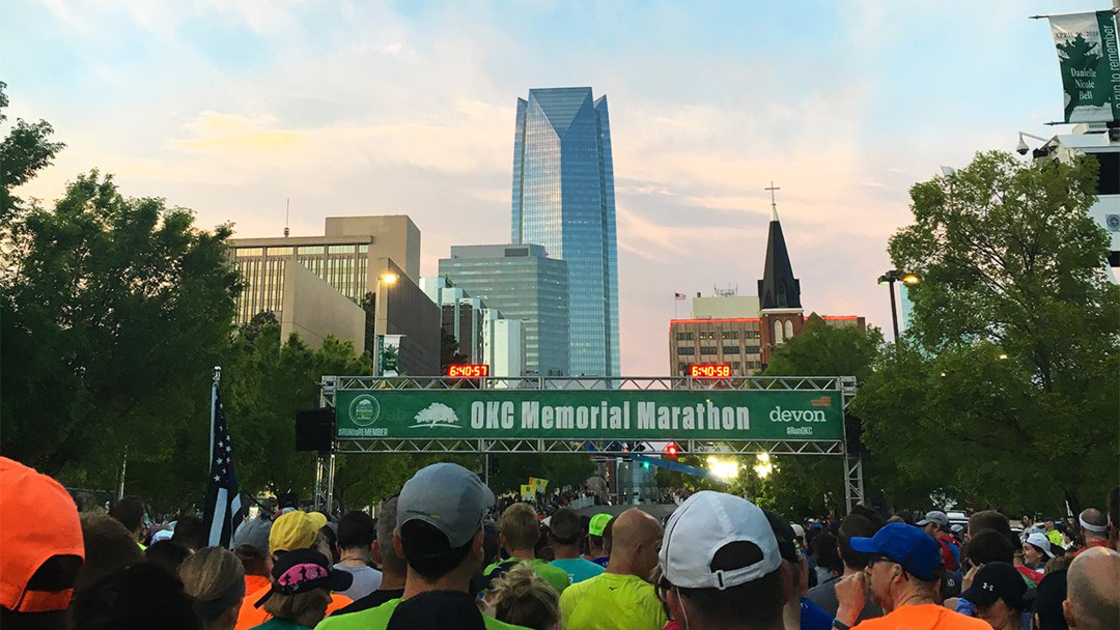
{"points": [[813, 617], [578, 569]]}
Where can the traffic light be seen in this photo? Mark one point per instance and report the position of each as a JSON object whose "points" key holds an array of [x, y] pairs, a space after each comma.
{"points": [[645, 465], [671, 451]]}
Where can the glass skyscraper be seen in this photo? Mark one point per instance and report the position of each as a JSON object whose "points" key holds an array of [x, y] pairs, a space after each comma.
{"points": [[563, 200]]}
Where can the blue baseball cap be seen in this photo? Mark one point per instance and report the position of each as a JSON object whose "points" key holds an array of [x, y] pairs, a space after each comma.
{"points": [[907, 545]]}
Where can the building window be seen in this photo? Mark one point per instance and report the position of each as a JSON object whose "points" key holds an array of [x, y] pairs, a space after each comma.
{"points": [[246, 252], [684, 336], [363, 249], [789, 329], [340, 249], [279, 251], [706, 335], [730, 334], [778, 331], [311, 250], [1108, 182], [751, 334], [708, 350], [686, 350], [731, 349], [752, 350]]}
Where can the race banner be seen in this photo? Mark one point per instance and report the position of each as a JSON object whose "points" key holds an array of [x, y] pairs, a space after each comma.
{"points": [[1088, 53], [589, 415]]}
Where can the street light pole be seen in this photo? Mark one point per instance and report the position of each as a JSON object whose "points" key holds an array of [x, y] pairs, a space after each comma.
{"points": [[908, 278], [894, 310]]}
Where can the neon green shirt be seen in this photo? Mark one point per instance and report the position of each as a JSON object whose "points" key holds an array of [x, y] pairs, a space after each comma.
{"points": [[631, 601], [378, 619], [555, 576]]}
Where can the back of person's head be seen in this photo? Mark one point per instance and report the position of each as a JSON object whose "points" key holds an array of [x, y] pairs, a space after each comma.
{"points": [[1047, 606], [109, 547], [862, 523], [522, 598], [356, 530], [428, 552], [906, 516], [167, 554], [140, 596], [253, 532], [519, 527], [391, 563], [1092, 597], [1093, 524], [988, 546], [491, 544], [564, 527], [130, 512], [825, 551], [215, 578], [190, 532], [39, 564], [253, 560], [988, 521]]}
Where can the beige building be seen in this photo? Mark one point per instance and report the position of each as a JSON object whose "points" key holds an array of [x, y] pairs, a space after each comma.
{"points": [[354, 257], [734, 341]]}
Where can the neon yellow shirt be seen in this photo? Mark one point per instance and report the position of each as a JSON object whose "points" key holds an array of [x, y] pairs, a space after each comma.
{"points": [[631, 601], [378, 619], [555, 576]]}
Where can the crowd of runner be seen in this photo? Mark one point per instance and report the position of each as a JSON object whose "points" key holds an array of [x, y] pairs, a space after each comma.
{"points": [[438, 557]]}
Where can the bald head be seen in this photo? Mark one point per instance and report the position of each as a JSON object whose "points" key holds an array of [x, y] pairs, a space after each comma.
{"points": [[1094, 524], [1092, 598], [636, 537]]}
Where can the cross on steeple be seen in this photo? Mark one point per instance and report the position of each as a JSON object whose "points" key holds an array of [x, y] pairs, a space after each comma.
{"points": [[773, 200]]}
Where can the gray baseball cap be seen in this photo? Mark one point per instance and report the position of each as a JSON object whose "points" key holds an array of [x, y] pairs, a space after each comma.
{"points": [[253, 532], [447, 496], [936, 516]]}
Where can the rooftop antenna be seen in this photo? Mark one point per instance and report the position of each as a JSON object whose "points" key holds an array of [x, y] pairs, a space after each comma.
{"points": [[287, 212]]}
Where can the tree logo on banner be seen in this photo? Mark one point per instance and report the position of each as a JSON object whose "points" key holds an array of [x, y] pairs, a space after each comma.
{"points": [[364, 410]]}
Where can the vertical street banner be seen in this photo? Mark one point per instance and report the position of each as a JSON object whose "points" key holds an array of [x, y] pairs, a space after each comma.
{"points": [[1090, 62]]}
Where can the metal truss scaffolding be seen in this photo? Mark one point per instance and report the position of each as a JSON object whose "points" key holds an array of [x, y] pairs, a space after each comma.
{"points": [[845, 385]]}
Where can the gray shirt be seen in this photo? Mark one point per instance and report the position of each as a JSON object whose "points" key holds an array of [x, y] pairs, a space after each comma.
{"points": [[366, 581], [824, 595]]}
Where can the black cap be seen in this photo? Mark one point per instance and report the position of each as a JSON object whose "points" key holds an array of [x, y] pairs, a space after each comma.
{"points": [[787, 538], [1048, 598], [997, 580], [302, 570]]}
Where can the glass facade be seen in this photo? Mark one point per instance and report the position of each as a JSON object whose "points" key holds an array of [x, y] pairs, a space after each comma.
{"points": [[523, 284], [344, 267], [563, 200]]}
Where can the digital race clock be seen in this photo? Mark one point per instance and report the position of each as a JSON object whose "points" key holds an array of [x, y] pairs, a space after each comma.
{"points": [[709, 370], [468, 371]]}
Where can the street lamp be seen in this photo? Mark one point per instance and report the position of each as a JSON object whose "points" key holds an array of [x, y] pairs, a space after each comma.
{"points": [[389, 277], [909, 278], [763, 467]]}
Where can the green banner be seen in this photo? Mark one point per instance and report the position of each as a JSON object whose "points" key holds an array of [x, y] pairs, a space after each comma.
{"points": [[589, 415], [1088, 52]]}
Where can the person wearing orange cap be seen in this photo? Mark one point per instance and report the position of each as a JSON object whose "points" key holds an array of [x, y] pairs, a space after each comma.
{"points": [[41, 549], [292, 531]]}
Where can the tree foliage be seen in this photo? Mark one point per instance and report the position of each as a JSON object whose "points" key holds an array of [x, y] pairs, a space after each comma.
{"points": [[24, 151], [1011, 362]]}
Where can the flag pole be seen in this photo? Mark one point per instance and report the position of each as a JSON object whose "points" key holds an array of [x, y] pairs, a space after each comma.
{"points": [[213, 413]]}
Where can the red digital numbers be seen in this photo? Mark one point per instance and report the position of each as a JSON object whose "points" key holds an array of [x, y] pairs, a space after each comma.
{"points": [[709, 370], [468, 371]]}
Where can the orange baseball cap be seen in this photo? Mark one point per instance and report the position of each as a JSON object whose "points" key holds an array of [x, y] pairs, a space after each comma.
{"points": [[38, 521]]}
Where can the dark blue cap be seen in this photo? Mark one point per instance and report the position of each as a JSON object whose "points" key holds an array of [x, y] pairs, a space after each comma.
{"points": [[907, 545]]}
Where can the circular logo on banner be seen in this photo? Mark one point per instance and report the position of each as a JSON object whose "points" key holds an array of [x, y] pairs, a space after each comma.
{"points": [[364, 410], [1113, 222]]}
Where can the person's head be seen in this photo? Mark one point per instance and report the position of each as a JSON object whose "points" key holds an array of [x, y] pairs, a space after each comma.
{"points": [[190, 532], [109, 547], [934, 522], [987, 547], [863, 524], [39, 565], [253, 532], [720, 565], [522, 598], [903, 563], [635, 539], [997, 591], [326, 541], [215, 578], [1037, 550], [519, 528], [799, 532], [825, 551], [357, 532], [139, 596], [1026, 521], [1049, 525], [795, 565], [988, 520], [294, 530], [253, 561], [130, 512], [391, 564], [1094, 525], [439, 523], [491, 544], [302, 581], [596, 530], [1092, 597], [167, 554], [1048, 597], [564, 530]]}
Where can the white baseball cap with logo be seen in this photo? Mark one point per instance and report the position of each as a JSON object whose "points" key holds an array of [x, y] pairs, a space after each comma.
{"points": [[706, 523]]}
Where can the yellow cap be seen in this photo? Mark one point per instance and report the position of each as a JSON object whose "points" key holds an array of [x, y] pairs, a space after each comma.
{"points": [[598, 524], [295, 530]]}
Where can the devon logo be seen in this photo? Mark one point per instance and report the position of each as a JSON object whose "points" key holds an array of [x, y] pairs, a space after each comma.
{"points": [[364, 410], [797, 415], [436, 415]]}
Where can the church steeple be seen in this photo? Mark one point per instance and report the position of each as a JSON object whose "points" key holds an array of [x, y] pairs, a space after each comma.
{"points": [[778, 289]]}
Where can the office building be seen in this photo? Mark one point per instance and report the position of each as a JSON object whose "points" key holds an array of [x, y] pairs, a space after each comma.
{"points": [[312, 309], [461, 315], [524, 284], [563, 200], [502, 344]]}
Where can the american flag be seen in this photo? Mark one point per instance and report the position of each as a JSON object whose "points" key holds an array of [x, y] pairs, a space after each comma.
{"points": [[223, 503], [680, 297]]}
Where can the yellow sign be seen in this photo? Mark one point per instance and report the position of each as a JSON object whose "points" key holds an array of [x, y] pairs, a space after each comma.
{"points": [[527, 493], [539, 485]]}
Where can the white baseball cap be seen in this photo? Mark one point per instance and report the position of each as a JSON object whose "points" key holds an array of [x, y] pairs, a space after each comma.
{"points": [[1041, 542], [798, 530], [702, 526]]}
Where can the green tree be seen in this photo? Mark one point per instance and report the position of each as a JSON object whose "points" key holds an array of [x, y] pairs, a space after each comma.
{"points": [[112, 312], [25, 150], [1003, 391]]}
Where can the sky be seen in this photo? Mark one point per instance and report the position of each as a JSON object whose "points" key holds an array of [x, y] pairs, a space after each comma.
{"points": [[232, 107]]}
